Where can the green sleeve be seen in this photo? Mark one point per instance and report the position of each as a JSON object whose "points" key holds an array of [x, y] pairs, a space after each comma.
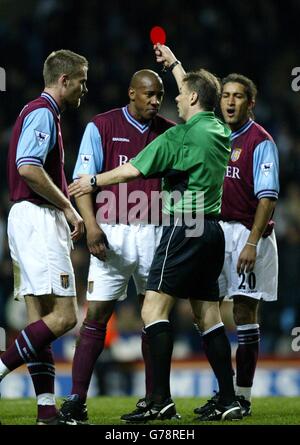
{"points": [[161, 155]]}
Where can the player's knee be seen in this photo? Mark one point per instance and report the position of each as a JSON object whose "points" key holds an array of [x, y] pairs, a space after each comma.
{"points": [[145, 315], [149, 314], [100, 311], [71, 322], [243, 314], [66, 323]]}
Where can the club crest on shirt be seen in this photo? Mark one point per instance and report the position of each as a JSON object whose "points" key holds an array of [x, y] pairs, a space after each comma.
{"points": [[41, 137], [235, 154], [266, 167], [64, 280], [90, 287], [85, 160]]}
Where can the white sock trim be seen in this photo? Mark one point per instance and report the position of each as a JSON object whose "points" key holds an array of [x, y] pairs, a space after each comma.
{"points": [[245, 327], [244, 391], [3, 370], [155, 322], [46, 399], [216, 326]]}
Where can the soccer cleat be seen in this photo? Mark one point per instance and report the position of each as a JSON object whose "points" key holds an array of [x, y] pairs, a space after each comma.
{"points": [[147, 410], [208, 405], [59, 419], [74, 408], [141, 407], [245, 405], [222, 412]]}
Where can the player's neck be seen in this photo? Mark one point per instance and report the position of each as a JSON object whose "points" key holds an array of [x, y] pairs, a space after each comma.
{"points": [[134, 113], [55, 95], [236, 126]]}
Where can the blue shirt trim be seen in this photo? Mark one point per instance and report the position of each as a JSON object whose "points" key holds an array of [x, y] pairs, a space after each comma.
{"points": [[52, 102], [37, 138], [90, 155], [142, 128], [241, 130], [266, 170]]}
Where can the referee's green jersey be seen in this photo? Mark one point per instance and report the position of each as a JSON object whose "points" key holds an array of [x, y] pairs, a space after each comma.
{"points": [[192, 158]]}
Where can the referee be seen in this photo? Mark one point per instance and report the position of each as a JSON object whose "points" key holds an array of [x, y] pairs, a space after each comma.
{"points": [[192, 157]]}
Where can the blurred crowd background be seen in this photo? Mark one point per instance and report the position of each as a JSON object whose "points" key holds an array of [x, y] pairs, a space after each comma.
{"points": [[257, 38]]}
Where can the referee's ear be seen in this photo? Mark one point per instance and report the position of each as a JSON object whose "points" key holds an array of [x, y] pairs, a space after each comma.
{"points": [[194, 97]]}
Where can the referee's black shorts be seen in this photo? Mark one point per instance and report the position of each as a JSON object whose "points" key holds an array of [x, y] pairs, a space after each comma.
{"points": [[189, 267]]}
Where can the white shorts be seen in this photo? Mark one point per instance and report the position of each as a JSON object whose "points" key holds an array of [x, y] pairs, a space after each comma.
{"points": [[260, 284], [40, 244], [130, 253]]}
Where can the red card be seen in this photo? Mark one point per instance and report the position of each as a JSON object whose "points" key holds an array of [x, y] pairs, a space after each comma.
{"points": [[158, 35]]}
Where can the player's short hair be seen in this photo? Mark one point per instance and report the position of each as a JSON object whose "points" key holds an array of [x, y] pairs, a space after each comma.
{"points": [[61, 62], [250, 87], [206, 85]]}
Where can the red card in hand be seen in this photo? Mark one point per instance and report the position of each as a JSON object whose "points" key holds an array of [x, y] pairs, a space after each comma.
{"points": [[158, 35]]}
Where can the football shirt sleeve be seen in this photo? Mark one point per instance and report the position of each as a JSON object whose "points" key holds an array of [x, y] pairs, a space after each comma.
{"points": [[37, 138], [160, 155], [90, 155], [266, 170]]}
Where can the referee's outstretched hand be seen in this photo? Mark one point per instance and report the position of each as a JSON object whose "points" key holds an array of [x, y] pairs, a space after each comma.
{"points": [[81, 186]]}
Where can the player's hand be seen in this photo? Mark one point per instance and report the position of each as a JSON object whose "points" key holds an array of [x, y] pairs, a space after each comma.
{"points": [[76, 221], [164, 55], [97, 243], [81, 186], [247, 258]]}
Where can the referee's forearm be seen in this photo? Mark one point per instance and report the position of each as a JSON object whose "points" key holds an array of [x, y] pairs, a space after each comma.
{"points": [[125, 173]]}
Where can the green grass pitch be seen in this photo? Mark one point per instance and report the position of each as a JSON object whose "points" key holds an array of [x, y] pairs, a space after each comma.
{"points": [[107, 411]]}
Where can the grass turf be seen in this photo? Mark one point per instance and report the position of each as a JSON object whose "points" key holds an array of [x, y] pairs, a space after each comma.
{"points": [[107, 411]]}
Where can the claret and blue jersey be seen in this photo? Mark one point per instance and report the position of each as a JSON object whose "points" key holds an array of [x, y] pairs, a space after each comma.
{"points": [[36, 140], [252, 173], [110, 140]]}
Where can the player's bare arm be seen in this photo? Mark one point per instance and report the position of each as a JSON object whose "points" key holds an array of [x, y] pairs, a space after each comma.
{"points": [[247, 258], [96, 239], [167, 57], [125, 173], [40, 182]]}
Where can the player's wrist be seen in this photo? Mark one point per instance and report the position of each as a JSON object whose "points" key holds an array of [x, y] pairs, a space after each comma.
{"points": [[67, 205], [248, 243], [91, 224]]}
